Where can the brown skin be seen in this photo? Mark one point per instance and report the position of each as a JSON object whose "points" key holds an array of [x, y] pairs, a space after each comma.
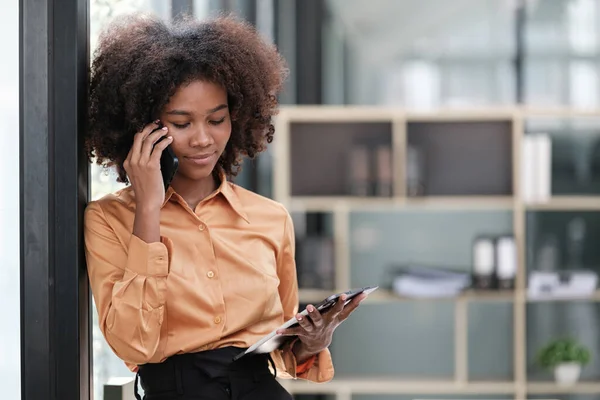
{"points": [[197, 122], [316, 332], [197, 117]]}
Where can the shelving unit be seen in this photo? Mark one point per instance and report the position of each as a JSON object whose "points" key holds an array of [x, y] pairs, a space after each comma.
{"points": [[474, 160]]}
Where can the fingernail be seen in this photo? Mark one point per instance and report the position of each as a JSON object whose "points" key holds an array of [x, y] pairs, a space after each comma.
{"points": [[164, 128], [157, 121], [170, 137], [299, 318], [310, 308]]}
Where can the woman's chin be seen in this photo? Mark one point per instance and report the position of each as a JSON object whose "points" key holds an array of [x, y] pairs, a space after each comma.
{"points": [[197, 174]]}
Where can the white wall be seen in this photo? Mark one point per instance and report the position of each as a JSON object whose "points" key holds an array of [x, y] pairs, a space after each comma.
{"points": [[10, 357]]}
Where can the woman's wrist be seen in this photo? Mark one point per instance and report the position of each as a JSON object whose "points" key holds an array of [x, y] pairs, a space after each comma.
{"points": [[146, 225], [301, 353]]}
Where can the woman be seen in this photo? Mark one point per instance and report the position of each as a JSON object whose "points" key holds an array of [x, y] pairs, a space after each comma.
{"points": [[186, 278]]}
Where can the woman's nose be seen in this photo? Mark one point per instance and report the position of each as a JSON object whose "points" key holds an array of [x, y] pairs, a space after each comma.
{"points": [[201, 137]]}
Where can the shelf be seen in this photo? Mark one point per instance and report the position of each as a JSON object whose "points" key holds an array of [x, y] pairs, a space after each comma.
{"points": [[469, 295], [345, 158], [552, 388], [362, 385], [567, 203], [595, 297], [449, 168], [331, 203], [400, 386], [460, 158], [385, 296], [461, 202], [449, 115], [368, 112]]}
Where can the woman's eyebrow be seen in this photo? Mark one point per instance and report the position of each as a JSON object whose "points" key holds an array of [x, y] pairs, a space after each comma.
{"points": [[187, 113], [217, 108], [179, 112]]}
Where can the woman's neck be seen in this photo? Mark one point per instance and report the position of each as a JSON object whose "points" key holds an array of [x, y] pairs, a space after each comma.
{"points": [[194, 191]]}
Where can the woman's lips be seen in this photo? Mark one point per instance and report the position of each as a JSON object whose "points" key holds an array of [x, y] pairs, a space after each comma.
{"points": [[201, 159]]}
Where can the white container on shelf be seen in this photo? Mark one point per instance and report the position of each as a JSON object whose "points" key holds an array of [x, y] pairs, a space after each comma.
{"points": [[567, 374]]}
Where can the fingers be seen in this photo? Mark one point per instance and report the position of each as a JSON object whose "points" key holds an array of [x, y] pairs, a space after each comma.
{"points": [[159, 148], [306, 327], [298, 331], [339, 306], [315, 316], [305, 323], [138, 140], [149, 142], [353, 305]]}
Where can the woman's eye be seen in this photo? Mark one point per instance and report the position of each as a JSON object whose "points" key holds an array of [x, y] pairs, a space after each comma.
{"points": [[217, 122], [180, 126]]}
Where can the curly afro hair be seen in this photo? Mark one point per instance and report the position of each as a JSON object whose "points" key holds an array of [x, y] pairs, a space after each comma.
{"points": [[140, 62]]}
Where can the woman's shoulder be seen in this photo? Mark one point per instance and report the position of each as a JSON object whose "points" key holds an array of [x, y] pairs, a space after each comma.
{"points": [[253, 201], [113, 203]]}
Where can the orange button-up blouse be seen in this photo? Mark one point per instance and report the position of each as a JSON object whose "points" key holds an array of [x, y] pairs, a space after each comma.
{"points": [[222, 275]]}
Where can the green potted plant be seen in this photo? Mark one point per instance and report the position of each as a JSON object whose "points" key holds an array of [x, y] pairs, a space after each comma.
{"points": [[564, 357]]}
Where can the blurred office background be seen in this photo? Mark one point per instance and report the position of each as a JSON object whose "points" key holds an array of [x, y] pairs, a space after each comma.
{"points": [[462, 56], [461, 67]]}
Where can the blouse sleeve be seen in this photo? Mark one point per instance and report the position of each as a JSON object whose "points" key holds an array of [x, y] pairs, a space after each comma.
{"points": [[128, 282], [320, 369]]}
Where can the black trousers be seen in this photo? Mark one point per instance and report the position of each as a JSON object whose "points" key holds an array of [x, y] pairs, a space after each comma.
{"points": [[211, 375]]}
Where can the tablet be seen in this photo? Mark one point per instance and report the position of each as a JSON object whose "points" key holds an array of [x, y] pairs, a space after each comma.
{"points": [[273, 341]]}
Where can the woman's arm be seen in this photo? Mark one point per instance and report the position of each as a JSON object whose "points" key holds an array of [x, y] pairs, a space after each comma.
{"points": [[128, 282], [292, 359]]}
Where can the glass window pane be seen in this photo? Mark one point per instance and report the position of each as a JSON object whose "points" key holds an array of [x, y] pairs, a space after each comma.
{"points": [[419, 54], [561, 53], [10, 341]]}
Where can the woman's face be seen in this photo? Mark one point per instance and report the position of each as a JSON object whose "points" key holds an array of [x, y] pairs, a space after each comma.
{"points": [[197, 117]]}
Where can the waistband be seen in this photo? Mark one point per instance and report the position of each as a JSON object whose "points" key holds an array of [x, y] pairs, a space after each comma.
{"points": [[215, 364]]}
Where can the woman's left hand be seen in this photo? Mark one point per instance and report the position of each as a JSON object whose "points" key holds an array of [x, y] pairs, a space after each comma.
{"points": [[316, 331]]}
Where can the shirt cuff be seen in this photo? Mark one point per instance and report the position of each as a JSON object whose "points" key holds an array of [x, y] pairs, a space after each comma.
{"points": [[319, 369], [149, 259]]}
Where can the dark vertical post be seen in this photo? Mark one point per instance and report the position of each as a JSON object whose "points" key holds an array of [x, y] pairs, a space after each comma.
{"points": [[55, 321], [309, 21], [520, 22]]}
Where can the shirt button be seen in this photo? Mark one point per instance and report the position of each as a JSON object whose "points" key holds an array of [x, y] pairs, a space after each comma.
{"points": [[217, 320], [210, 274], [201, 227]]}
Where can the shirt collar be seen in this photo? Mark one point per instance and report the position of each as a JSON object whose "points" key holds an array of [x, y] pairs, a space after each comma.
{"points": [[228, 191], [225, 188]]}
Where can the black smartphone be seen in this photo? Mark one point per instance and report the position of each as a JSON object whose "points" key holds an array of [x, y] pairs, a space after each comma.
{"points": [[168, 165], [168, 162]]}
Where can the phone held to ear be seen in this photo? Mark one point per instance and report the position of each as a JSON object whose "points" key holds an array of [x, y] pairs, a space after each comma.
{"points": [[168, 163], [168, 166]]}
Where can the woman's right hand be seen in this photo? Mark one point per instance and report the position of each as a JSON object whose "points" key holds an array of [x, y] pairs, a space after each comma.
{"points": [[143, 166]]}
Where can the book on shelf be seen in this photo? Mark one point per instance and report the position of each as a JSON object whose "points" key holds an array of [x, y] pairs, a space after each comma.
{"points": [[370, 170], [420, 281], [548, 285], [536, 168]]}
